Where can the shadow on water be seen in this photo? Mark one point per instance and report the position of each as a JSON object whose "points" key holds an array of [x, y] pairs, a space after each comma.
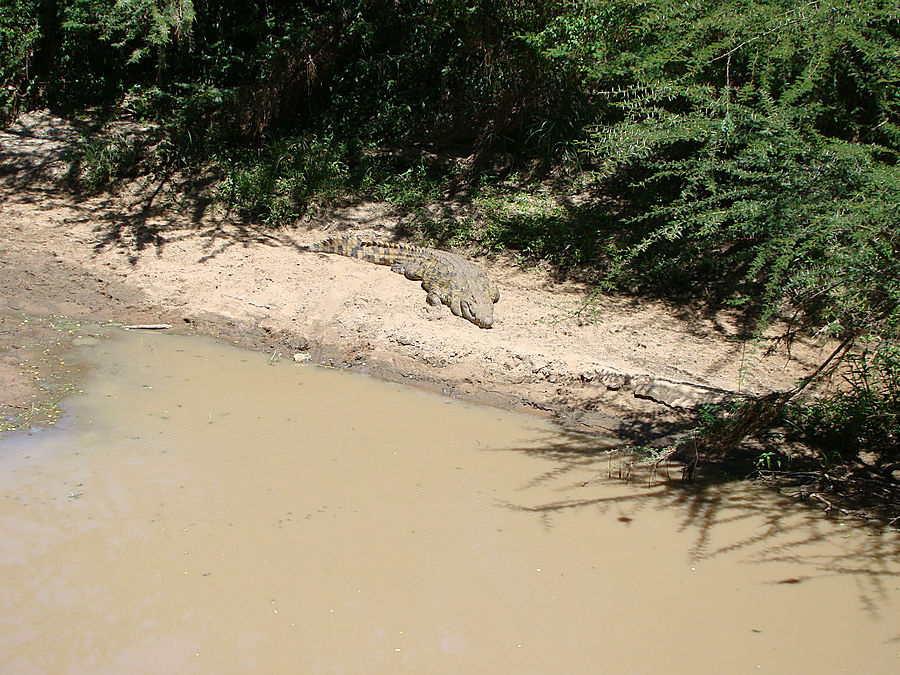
{"points": [[773, 527]]}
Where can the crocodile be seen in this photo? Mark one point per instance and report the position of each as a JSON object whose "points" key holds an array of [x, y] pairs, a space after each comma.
{"points": [[446, 277]]}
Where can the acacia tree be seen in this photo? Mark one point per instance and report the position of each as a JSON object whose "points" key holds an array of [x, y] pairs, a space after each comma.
{"points": [[758, 143]]}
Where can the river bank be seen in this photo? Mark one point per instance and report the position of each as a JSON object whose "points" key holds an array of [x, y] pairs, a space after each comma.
{"points": [[148, 251]]}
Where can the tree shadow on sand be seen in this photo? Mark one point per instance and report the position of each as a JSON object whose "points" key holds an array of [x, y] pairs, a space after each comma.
{"points": [[40, 166], [134, 216]]}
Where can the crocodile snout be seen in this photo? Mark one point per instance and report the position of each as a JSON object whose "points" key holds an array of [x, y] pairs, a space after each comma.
{"points": [[479, 313]]}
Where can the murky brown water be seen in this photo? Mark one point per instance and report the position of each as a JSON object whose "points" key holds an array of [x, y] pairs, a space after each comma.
{"points": [[205, 511]]}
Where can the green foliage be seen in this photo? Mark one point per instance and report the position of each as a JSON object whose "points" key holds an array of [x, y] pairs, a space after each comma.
{"points": [[141, 29], [756, 144], [226, 79], [442, 230], [714, 417], [768, 460], [19, 35], [865, 417], [533, 224], [383, 72], [539, 227], [413, 186], [96, 161], [276, 185], [191, 116]]}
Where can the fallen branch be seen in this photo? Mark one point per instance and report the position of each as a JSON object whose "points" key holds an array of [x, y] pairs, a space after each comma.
{"points": [[147, 326]]}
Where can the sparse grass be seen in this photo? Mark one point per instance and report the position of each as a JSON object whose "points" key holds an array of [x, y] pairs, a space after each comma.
{"points": [[97, 160], [276, 184], [529, 221], [415, 186], [863, 419]]}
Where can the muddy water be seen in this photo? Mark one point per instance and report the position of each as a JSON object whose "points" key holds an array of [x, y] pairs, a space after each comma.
{"points": [[207, 511]]}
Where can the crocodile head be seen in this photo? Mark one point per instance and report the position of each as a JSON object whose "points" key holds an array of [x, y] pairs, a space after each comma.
{"points": [[477, 305], [479, 311], [462, 287]]}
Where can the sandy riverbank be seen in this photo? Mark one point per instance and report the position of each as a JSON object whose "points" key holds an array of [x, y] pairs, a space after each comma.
{"points": [[149, 253]]}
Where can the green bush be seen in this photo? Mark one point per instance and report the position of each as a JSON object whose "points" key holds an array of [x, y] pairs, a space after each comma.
{"points": [[865, 417], [754, 141], [96, 161], [20, 34], [276, 185]]}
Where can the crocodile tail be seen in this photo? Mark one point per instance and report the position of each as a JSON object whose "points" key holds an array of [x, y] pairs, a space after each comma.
{"points": [[380, 253], [339, 245]]}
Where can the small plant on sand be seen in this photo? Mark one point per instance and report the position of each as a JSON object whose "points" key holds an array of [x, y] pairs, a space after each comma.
{"points": [[96, 161]]}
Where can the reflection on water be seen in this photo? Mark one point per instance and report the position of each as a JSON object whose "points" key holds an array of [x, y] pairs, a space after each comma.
{"points": [[205, 511]]}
